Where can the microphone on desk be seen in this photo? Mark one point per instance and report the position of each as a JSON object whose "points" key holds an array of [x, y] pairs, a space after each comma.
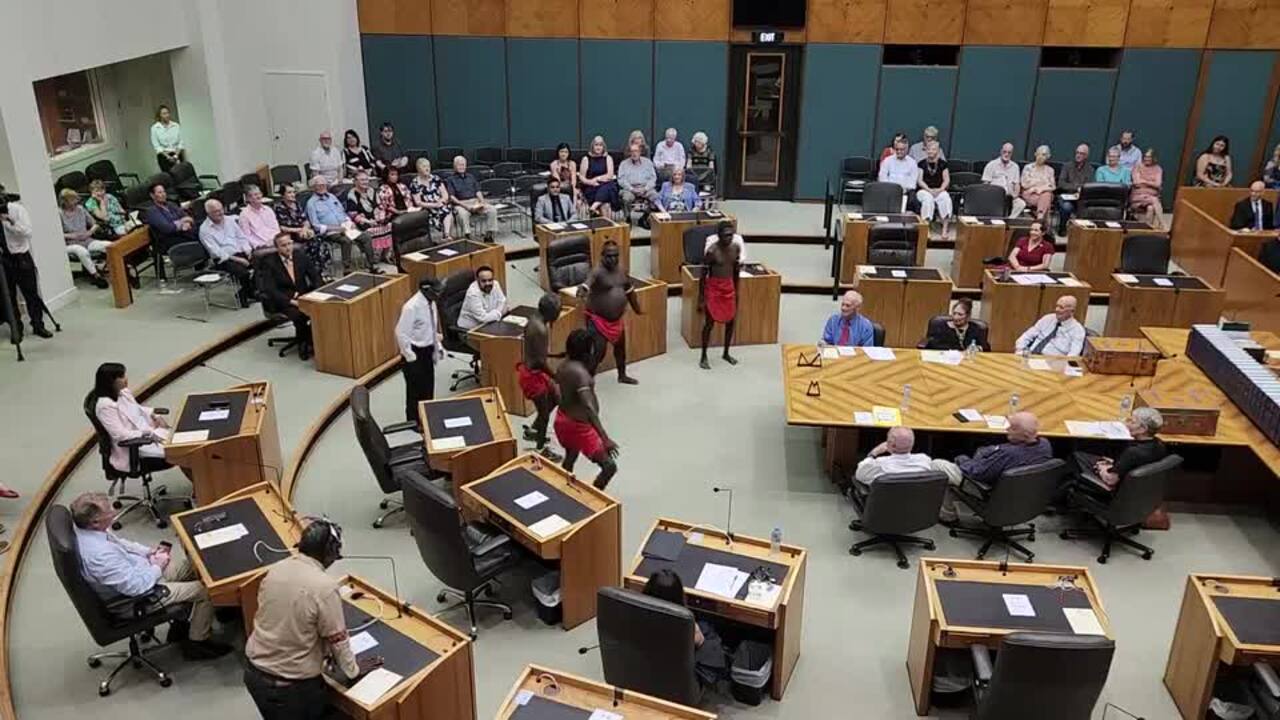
{"points": [[256, 392], [587, 649], [234, 461], [728, 525], [395, 581]]}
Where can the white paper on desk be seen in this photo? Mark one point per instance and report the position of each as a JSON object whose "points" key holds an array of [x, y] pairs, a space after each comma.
{"points": [[221, 536], [1073, 371], [997, 222], [1032, 279], [1069, 282], [188, 436], [882, 218], [1162, 282], [215, 415], [879, 353], [317, 296], [744, 273], [661, 216], [1083, 428], [1018, 605], [415, 256], [846, 350], [721, 580], [866, 269], [447, 252], [452, 442], [1113, 224], [554, 226], [578, 226], [548, 526], [1115, 430], [457, 422], [997, 422], [523, 697], [1074, 196], [830, 353], [855, 216], [599, 714], [373, 686], [532, 500], [970, 414], [968, 218], [764, 594], [498, 206], [1039, 364], [1126, 278], [351, 234], [1083, 621], [863, 418], [520, 320], [942, 357], [348, 288], [898, 273], [361, 642]]}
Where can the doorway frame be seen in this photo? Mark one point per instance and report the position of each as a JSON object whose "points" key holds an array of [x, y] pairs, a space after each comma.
{"points": [[791, 103]]}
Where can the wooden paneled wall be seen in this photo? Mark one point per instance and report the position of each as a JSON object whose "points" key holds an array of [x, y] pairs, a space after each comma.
{"points": [[1225, 24]]}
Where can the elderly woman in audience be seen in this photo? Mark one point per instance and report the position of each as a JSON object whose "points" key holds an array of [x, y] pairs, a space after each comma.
{"points": [[430, 194], [1032, 252], [676, 194], [958, 333], [1038, 183], [369, 211], [291, 216], [78, 229], [1213, 167], [599, 179], [1144, 199], [564, 168], [106, 209], [934, 179], [1113, 172], [701, 160], [1271, 171], [355, 156], [637, 136]]}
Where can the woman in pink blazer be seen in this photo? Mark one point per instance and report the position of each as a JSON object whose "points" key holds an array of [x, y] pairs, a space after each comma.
{"points": [[125, 419]]}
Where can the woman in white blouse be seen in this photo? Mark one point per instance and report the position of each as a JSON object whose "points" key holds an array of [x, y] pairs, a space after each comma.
{"points": [[166, 139], [125, 419]]}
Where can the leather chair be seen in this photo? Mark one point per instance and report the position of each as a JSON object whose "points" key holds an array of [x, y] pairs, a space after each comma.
{"points": [[891, 243], [1102, 201], [568, 261], [1118, 515], [881, 197], [961, 180], [1145, 254], [1019, 496], [985, 200], [938, 326], [646, 645], [411, 232], [151, 497], [896, 506], [285, 174], [387, 462], [455, 338], [74, 180], [186, 183], [1049, 676], [445, 156], [877, 334], [105, 170], [694, 241], [467, 557], [855, 173], [110, 621]]}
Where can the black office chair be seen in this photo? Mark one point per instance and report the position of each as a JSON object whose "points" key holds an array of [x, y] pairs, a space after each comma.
{"points": [[1145, 253], [151, 496], [1117, 515], [568, 261], [961, 180], [445, 156], [105, 170], [110, 621], [1102, 201], [482, 172], [877, 334], [231, 195], [694, 241], [891, 243], [1049, 676], [509, 170], [646, 645], [488, 155], [455, 338], [881, 197], [136, 197], [467, 557], [938, 326], [855, 173], [285, 343], [285, 174], [524, 156], [1019, 496], [74, 180], [543, 157], [388, 462], [896, 506], [985, 200], [411, 232], [188, 184]]}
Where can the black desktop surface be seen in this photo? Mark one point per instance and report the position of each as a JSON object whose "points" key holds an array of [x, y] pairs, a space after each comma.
{"points": [[236, 401], [503, 490], [693, 557], [500, 328], [461, 247], [981, 604], [1255, 621], [232, 558], [478, 432], [911, 273], [400, 653], [542, 708], [1181, 282], [361, 281]]}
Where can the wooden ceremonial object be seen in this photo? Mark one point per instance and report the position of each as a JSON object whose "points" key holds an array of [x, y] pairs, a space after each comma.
{"points": [[501, 448], [1093, 249], [1009, 308], [428, 264], [758, 301], [1189, 411], [931, 631], [1201, 241], [1120, 356], [1133, 305], [443, 690], [786, 618], [854, 229], [976, 241], [618, 232], [117, 272], [903, 305], [1253, 291], [666, 243], [590, 695], [218, 467], [646, 332], [353, 336], [589, 551], [1204, 640]]}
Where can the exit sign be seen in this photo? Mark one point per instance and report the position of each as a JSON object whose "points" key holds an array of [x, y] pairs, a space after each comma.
{"points": [[766, 37]]}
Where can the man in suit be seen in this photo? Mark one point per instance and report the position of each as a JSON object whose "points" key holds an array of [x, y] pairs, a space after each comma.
{"points": [[1253, 212], [553, 207], [282, 277]]}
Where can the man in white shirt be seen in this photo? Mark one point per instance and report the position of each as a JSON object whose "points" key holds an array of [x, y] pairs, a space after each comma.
{"points": [[668, 155], [19, 267], [420, 337], [1130, 153], [1058, 333], [1003, 171], [919, 150], [484, 302], [893, 456], [326, 160], [901, 170], [228, 248]]}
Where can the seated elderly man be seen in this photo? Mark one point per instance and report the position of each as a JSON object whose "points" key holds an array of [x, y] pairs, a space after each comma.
{"points": [[1099, 475], [467, 202], [328, 217], [849, 327], [1023, 447], [901, 170], [228, 248], [1058, 333], [118, 567], [1004, 172], [893, 456], [669, 154], [637, 178]]}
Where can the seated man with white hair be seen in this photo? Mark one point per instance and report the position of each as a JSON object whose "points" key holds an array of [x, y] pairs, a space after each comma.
{"points": [[1058, 333], [893, 456], [1099, 475], [228, 248], [1038, 183], [1003, 172], [329, 219], [901, 170], [669, 155], [849, 327], [919, 148], [468, 202]]}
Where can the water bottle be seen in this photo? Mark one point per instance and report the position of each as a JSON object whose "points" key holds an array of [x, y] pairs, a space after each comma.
{"points": [[775, 542], [1126, 404], [906, 397], [971, 351], [1014, 399]]}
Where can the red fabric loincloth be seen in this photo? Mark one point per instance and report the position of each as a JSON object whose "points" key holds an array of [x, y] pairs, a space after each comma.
{"points": [[611, 330], [577, 435], [534, 383], [721, 299]]}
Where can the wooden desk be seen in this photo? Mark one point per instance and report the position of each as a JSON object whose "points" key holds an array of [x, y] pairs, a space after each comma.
{"points": [[666, 243], [488, 434], [353, 320], [1172, 342], [1093, 249], [1218, 627], [600, 230], [117, 272], [1201, 242], [646, 332], [1160, 300], [759, 296], [434, 660], [932, 628], [853, 230], [978, 238], [1253, 291], [441, 261], [239, 451], [903, 300], [1010, 308], [589, 549], [501, 346], [785, 619], [540, 684]]}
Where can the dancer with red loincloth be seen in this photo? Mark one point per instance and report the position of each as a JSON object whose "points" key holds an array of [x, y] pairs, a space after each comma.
{"points": [[536, 381], [608, 291], [577, 422], [718, 289]]}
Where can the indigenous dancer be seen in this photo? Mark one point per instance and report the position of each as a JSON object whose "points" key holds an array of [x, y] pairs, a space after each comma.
{"points": [[718, 290], [577, 422]]}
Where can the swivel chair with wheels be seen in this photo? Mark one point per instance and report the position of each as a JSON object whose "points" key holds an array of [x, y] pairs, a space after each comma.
{"points": [[635, 630], [387, 462], [151, 497], [455, 338], [1019, 496], [1048, 676], [1118, 515], [568, 261], [285, 343], [896, 506], [1145, 253], [1102, 201]]}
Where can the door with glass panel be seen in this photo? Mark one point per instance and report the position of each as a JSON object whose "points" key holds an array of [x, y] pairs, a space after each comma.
{"points": [[764, 91]]}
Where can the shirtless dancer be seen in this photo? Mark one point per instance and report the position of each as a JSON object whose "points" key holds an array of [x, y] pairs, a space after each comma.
{"points": [[536, 381], [608, 291], [577, 420], [718, 290]]}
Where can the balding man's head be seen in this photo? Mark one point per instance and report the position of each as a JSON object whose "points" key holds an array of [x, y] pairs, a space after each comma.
{"points": [[1255, 189], [213, 209], [1024, 428], [850, 302], [1065, 308], [901, 440]]}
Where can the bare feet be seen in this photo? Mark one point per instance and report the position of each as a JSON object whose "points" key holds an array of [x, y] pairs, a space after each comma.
{"points": [[730, 359], [704, 364], [627, 380]]}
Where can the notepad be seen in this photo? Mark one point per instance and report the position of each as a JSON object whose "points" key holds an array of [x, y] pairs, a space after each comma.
{"points": [[1113, 225], [887, 416], [447, 252], [188, 436], [415, 256], [722, 580], [1126, 278], [846, 350], [867, 269], [879, 353], [997, 222], [215, 415], [1083, 621], [997, 422], [449, 443], [548, 526], [531, 500], [520, 320], [361, 642], [863, 418], [221, 536], [830, 353], [1162, 282], [898, 273], [553, 227], [970, 414], [457, 422], [317, 296], [373, 686], [348, 288], [1018, 605]]}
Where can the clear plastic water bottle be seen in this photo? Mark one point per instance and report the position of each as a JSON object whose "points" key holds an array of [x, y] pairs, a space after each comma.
{"points": [[1014, 399], [971, 351], [1126, 404], [906, 397], [775, 542]]}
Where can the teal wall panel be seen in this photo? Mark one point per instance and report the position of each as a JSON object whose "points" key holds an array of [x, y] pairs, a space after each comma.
{"points": [[1274, 138], [993, 100], [542, 91], [1071, 106], [912, 97], [399, 82], [690, 88], [837, 112], [471, 77], [1234, 104], [617, 90], [1156, 78]]}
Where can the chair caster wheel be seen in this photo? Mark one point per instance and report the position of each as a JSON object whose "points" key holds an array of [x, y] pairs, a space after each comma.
{"points": [[1102, 559], [95, 663], [116, 526], [165, 681], [1064, 535], [1146, 555], [383, 505], [854, 551], [507, 615], [904, 564], [162, 524], [116, 504], [1031, 538], [952, 532], [137, 664], [162, 491], [104, 690], [440, 598], [930, 546], [376, 524]]}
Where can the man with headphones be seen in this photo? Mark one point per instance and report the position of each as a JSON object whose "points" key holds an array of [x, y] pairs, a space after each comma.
{"points": [[300, 622]]}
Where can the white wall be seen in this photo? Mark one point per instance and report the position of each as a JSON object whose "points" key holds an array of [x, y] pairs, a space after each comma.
{"points": [[59, 37]]}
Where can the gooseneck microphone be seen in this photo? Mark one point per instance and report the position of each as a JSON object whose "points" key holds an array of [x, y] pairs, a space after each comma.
{"points": [[395, 580], [728, 525]]}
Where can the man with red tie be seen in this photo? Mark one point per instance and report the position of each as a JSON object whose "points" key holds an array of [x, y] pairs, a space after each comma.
{"points": [[849, 327]]}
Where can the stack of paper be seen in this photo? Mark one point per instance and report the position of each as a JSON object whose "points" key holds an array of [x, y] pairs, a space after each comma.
{"points": [[453, 442], [997, 222], [997, 422], [447, 252], [879, 353], [1126, 278], [373, 686], [866, 269], [1113, 225], [1018, 605], [1070, 282], [846, 350], [220, 536], [830, 353], [886, 416], [970, 414], [722, 580], [1083, 621], [531, 500], [520, 320], [855, 216], [861, 417], [898, 273], [554, 227], [1162, 282], [1039, 364], [317, 296], [942, 357], [189, 436], [1034, 279], [968, 219], [548, 526]]}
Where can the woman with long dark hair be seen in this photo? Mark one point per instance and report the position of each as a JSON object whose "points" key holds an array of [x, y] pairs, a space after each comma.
{"points": [[124, 418], [1213, 167], [355, 155], [709, 657]]}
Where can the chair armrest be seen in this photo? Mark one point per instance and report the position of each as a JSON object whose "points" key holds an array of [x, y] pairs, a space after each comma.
{"points": [[485, 538], [399, 427], [137, 606], [982, 670], [490, 545], [134, 176], [1267, 675], [160, 411], [135, 442]]}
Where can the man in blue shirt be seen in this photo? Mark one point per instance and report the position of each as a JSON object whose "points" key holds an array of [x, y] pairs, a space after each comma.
{"points": [[1023, 446], [328, 217], [227, 247], [118, 567], [169, 224], [849, 327]]}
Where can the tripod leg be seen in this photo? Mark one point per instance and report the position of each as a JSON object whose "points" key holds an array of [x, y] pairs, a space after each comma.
{"points": [[10, 312]]}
